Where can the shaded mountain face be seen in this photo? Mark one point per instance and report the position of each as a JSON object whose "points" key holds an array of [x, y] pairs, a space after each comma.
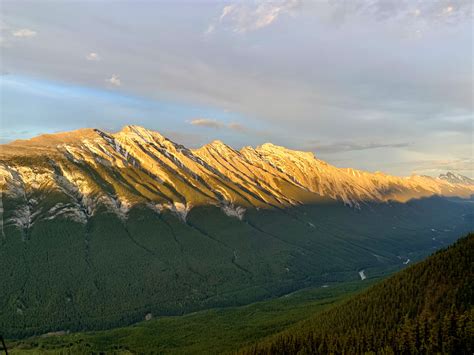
{"points": [[100, 229], [92, 169]]}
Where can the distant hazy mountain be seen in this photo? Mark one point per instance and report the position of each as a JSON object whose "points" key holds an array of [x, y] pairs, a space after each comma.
{"points": [[99, 230], [456, 178]]}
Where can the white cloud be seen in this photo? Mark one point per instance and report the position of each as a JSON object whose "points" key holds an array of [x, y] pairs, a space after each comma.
{"points": [[338, 147], [448, 10], [430, 12], [226, 10], [237, 127], [211, 123], [93, 57], [24, 32], [245, 18], [434, 167], [206, 122], [114, 80], [299, 78], [210, 29]]}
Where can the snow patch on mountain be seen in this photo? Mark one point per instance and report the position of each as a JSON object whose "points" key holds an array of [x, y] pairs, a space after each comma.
{"points": [[156, 207], [73, 212], [24, 216], [181, 210], [234, 211]]}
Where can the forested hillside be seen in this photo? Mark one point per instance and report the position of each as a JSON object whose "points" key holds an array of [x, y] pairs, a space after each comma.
{"points": [[109, 273], [425, 309], [216, 331]]}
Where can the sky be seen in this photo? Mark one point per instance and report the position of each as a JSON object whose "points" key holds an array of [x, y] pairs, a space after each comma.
{"points": [[379, 85]]}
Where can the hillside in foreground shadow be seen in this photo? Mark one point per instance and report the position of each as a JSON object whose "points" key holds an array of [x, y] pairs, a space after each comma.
{"points": [[425, 309]]}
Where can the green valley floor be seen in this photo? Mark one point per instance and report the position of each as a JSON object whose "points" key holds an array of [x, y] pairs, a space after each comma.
{"points": [[215, 331]]}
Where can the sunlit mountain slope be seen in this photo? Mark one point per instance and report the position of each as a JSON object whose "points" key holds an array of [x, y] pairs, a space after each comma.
{"points": [[90, 168]]}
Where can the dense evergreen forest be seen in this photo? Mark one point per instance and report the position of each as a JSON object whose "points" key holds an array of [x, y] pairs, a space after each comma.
{"points": [[425, 309], [212, 331], [109, 273]]}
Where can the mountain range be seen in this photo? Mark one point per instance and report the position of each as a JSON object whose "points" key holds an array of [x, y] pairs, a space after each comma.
{"points": [[101, 229], [139, 166]]}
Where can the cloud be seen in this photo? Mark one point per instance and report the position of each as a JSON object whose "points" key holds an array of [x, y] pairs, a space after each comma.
{"points": [[403, 10], [466, 164], [226, 10], [210, 29], [24, 32], [300, 77], [191, 139], [7, 34], [93, 57], [434, 167], [10, 135], [237, 127], [210, 123], [351, 146], [246, 18], [114, 80], [206, 122]]}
